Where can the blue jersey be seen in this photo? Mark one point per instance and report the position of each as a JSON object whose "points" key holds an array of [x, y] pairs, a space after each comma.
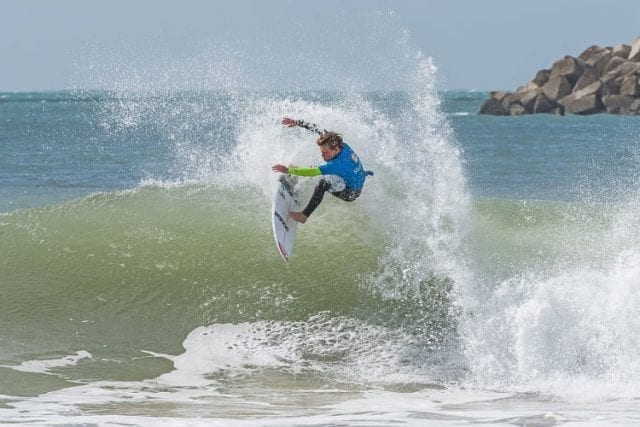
{"points": [[347, 166]]}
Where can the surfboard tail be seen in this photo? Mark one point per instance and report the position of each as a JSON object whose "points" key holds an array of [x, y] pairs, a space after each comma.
{"points": [[283, 251]]}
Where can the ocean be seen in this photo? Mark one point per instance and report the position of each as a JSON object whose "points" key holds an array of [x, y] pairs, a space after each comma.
{"points": [[488, 274]]}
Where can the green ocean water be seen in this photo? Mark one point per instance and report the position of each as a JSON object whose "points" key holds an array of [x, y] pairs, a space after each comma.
{"points": [[117, 273]]}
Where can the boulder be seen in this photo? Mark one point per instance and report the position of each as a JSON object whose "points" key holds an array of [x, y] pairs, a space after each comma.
{"points": [[597, 57], [527, 99], [599, 60], [493, 107], [527, 88], [590, 104], [557, 87], [542, 104], [610, 85], [588, 52], [615, 104], [589, 76], [621, 50], [614, 63], [634, 108], [584, 101], [568, 67], [593, 88], [542, 77], [625, 69], [499, 95], [509, 99], [630, 86], [517, 109], [634, 53]]}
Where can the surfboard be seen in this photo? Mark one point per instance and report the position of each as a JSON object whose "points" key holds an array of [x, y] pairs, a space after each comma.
{"points": [[284, 227]]}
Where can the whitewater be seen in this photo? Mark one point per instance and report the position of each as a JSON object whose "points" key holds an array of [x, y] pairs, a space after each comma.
{"points": [[488, 274]]}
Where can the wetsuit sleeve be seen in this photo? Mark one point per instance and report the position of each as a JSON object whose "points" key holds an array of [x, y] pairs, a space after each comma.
{"points": [[310, 126], [311, 171]]}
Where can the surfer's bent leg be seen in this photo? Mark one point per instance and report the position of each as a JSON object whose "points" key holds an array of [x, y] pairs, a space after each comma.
{"points": [[348, 195], [316, 198], [336, 186]]}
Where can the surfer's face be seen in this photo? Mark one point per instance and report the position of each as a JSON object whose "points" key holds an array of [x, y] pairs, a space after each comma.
{"points": [[328, 153]]}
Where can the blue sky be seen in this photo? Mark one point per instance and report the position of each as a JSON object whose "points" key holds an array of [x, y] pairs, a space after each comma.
{"points": [[476, 44]]}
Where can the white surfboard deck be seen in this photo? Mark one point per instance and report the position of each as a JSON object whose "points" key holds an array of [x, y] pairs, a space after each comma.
{"points": [[284, 227]]}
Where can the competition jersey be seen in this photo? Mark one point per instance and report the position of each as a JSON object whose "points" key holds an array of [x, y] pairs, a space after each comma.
{"points": [[347, 166]]}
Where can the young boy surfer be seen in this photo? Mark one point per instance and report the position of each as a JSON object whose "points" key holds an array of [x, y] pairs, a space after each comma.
{"points": [[342, 174]]}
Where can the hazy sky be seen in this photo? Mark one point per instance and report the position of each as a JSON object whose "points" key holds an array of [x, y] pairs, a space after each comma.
{"points": [[475, 44]]}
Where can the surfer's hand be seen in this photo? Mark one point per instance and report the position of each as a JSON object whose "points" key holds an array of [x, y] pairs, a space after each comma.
{"points": [[289, 122], [280, 168]]}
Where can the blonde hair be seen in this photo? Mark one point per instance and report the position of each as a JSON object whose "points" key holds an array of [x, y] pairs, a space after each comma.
{"points": [[332, 139]]}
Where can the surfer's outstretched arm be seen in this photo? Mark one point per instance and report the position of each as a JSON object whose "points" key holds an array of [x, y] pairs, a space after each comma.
{"points": [[295, 170], [287, 121]]}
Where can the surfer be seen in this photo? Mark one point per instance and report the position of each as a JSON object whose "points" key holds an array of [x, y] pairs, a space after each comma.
{"points": [[342, 174]]}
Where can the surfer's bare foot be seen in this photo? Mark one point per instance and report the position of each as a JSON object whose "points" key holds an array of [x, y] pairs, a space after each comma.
{"points": [[298, 217]]}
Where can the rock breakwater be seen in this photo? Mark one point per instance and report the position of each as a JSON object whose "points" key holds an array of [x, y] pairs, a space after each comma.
{"points": [[599, 80]]}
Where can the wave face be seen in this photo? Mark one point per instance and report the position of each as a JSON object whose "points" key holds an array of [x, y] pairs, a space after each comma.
{"points": [[184, 262]]}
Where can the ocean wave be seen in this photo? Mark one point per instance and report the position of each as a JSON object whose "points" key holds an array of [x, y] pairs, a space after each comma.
{"points": [[177, 256]]}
